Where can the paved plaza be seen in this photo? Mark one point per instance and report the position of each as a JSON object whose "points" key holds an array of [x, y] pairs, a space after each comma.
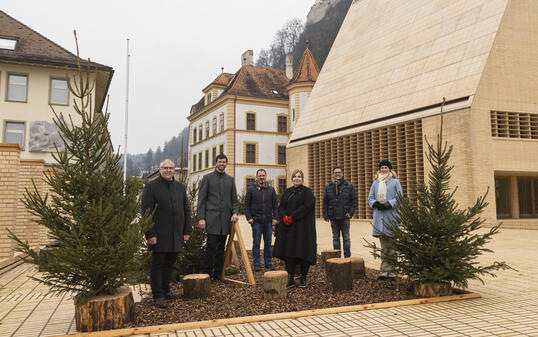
{"points": [[508, 307]]}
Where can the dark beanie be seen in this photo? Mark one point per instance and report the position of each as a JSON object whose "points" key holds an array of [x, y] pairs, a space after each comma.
{"points": [[385, 162]]}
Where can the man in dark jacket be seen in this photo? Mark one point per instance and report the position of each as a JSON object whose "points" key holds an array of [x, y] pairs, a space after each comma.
{"points": [[217, 209], [261, 212], [172, 227], [339, 204]]}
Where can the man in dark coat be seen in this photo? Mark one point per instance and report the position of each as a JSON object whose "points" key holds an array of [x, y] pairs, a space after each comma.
{"points": [[172, 227], [339, 204], [217, 209], [261, 212]]}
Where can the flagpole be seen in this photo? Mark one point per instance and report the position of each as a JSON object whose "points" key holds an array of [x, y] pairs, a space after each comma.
{"points": [[126, 117]]}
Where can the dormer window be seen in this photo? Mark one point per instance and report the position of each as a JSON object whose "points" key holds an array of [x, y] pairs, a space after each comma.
{"points": [[275, 92], [208, 98], [8, 44]]}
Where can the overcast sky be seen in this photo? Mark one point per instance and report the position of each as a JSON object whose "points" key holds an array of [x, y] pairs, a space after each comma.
{"points": [[177, 48]]}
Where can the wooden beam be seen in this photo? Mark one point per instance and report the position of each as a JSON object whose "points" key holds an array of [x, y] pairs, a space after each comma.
{"points": [[234, 230], [268, 317]]}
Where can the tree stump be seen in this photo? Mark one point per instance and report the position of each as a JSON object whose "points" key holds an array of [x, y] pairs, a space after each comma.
{"points": [[338, 273], [196, 286], [357, 267], [106, 312], [431, 289], [275, 284], [329, 254]]}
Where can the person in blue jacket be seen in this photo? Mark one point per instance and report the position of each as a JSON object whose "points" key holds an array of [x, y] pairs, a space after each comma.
{"points": [[382, 199]]}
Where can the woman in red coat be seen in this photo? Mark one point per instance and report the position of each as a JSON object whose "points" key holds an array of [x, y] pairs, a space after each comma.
{"points": [[296, 232]]}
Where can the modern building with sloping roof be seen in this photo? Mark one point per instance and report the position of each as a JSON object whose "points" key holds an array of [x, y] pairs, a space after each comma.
{"points": [[379, 96], [248, 116], [33, 76]]}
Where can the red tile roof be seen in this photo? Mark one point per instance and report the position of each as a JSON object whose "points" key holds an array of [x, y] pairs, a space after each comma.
{"points": [[307, 70], [251, 81], [33, 47], [222, 80]]}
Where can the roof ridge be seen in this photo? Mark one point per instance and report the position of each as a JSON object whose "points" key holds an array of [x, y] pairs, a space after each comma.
{"points": [[36, 32]]}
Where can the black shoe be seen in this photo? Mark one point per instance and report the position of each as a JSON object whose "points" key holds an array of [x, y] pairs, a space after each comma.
{"points": [[160, 303], [302, 282], [382, 278], [257, 268], [291, 282], [170, 295], [270, 267], [221, 279]]}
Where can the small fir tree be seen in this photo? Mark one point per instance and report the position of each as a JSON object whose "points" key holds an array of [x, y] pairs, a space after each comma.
{"points": [[436, 240], [95, 221]]}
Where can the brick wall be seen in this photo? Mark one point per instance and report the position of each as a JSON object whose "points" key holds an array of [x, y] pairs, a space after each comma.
{"points": [[9, 162]]}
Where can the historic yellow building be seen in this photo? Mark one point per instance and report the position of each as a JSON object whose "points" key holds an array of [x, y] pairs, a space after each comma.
{"points": [[249, 116], [380, 91], [32, 79]]}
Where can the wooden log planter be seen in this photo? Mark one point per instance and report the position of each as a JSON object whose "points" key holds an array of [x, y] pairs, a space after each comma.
{"points": [[106, 312], [196, 286], [275, 284], [339, 274], [431, 289]]}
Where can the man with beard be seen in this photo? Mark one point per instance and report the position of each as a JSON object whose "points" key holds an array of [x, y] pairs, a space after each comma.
{"points": [[217, 209]]}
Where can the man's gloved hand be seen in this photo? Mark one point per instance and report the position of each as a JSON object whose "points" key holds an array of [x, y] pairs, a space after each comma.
{"points": [[288, 220], [387, 205]]}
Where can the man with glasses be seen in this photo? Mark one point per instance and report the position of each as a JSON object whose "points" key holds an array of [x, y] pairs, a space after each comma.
{"points": [[339, 204], [172, 227]]}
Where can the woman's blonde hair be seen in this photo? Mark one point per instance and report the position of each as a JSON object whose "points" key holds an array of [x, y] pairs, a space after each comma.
{"points": [[295, 172]]}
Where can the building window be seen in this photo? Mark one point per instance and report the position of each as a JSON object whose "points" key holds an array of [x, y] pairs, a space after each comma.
{"points": [[527, 189], [293, 114], [194, 134], [208, 99], [282, 124], [200, 133], [281, 185], [250, 181], [214, 125], [221, 149], [206, 129], [200, 160], [8, 44], [214, 155], [17, 86], [221, 122], [206, 158], [193, 162], [14, 133], [251, 121], [250, 153], [282, 155], [502, 201], [59, 92]]}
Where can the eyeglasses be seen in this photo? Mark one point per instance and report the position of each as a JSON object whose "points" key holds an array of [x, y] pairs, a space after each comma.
{"points": [[167, 168]]}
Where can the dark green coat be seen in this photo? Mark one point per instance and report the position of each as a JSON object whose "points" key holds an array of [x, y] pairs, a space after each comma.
{"points": [[217, 201], [172, 217]]}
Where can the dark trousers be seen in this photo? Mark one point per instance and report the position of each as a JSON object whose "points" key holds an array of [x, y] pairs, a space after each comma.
{"points": [[214, 254], [291, 264], [161, 269], [259, 229], [337, 226]]}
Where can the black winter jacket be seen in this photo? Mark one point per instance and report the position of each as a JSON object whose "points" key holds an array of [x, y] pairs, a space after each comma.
{"points": [[261, 204], [338, 200], [172, 218]]}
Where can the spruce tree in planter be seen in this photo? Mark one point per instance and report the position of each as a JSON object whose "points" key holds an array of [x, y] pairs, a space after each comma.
{"points": [[96, 222], [436, 243]]}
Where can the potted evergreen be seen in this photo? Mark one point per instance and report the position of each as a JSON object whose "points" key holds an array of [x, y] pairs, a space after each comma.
{"points": [[435, 242], [93, 217]]}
